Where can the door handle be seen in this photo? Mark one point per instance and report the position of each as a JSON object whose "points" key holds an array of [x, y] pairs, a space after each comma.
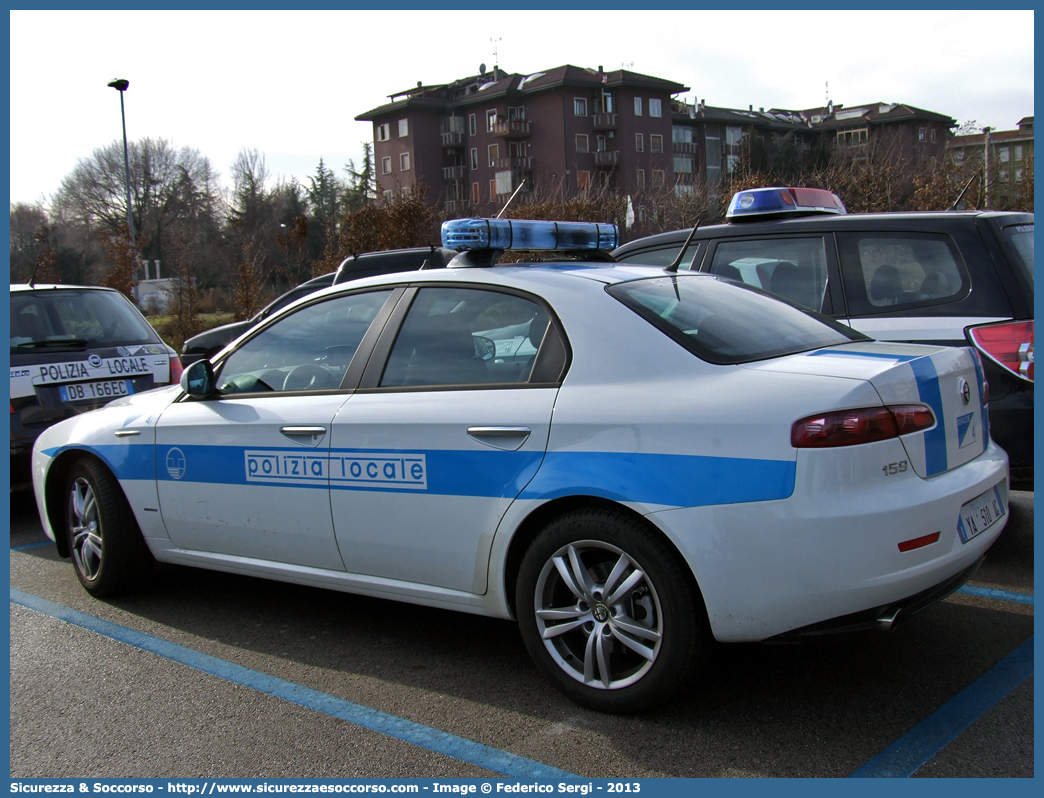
{"points": [[306, 436], [510, 438]]}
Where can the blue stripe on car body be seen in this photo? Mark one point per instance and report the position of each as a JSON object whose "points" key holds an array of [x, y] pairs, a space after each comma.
{"points": [[934, 439], [657, 479]]}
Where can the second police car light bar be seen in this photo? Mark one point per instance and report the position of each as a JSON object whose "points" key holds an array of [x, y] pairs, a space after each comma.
{"points": [[470, 234], [762, 203]]}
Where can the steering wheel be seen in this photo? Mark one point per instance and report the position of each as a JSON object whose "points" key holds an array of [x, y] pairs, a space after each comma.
{"points": [[305, 378]]}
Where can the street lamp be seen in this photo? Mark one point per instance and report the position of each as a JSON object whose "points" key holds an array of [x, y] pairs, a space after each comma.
{"points": [[121, 86]]}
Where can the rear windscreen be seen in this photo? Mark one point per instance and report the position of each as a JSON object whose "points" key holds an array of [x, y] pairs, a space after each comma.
{"points": [[723, 322], [87, 317]]}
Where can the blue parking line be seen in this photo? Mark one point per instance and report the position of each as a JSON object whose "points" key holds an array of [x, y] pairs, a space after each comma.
{"points": [[417, 734], [907, 754], [1003, 595], [38, 545]]}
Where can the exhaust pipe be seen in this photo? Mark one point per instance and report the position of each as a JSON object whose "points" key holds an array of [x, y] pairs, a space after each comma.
{"points": [[887, 619]]}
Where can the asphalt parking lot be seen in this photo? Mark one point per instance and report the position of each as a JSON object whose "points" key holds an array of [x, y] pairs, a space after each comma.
{"points": [[214, 675]]}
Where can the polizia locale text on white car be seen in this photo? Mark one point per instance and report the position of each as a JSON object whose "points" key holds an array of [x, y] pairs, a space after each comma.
{"points": [[632, 462]]}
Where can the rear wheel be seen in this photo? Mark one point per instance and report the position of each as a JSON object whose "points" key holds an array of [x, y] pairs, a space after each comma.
{"points": [[108, 552], [609, 612]]}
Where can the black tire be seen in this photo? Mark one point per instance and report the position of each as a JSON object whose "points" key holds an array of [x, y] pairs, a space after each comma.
{"points": [[108, 552], [651, 633]]}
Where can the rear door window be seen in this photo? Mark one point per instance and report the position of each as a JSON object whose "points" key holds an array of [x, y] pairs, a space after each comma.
{"points": [[885, 272], [792, 268]]}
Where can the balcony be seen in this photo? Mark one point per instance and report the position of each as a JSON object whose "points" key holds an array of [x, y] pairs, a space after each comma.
{"points": [[684, 147], [452, 140], [607, 157], [511, 128], [525, 164], [454, 172], [604, 121]]}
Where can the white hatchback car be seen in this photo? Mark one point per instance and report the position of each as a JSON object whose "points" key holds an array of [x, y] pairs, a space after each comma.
{"points": [[631, 462]]}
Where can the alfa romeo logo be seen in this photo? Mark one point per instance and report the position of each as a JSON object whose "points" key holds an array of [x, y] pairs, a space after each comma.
{"points": [[964, 389]]}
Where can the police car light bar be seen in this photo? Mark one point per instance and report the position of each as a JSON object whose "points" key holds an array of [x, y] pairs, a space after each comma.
{"points": [[467, 234], [761, 203]]}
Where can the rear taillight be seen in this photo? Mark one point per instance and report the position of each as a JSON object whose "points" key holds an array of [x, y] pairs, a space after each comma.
{"points": [[175, 369], [863, 425], [1009, 344]]}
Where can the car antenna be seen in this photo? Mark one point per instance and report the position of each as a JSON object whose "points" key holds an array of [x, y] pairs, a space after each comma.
{"points": [[960, 196], [677, 261], [510, 199], [32, 277]]}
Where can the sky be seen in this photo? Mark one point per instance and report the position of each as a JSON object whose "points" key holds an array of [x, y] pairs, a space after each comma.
{"points": [[290, 84]]}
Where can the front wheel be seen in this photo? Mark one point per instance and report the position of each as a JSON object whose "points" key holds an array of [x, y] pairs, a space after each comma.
{"points": [[609, 612], [108, 552]]}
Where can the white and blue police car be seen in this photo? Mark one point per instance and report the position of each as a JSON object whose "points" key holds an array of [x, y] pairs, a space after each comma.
{"points": [[631, 461]]}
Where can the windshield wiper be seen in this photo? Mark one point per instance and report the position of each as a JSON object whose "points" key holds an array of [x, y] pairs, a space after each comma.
{"points": [[49, 342]]}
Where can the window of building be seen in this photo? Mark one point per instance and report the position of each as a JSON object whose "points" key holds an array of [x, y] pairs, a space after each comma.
{"points": [[731, 163], [640, 182], [606, 102], [492, 190], [657, 177], [406, 191], [579, 106], [922, 134], [681, 134], [581, 142], [384, 132], [404, 128], [493, 153], [474, 158], [654, 107], [491, 119], [850, 138], [931, 134], [637, 106], [386, 165], [472, 125], [388, 195], [683, 189], [583, 180], [599, 143], [639, 142], [475, 193], [517, 149], [655, 142], [517, 112], [1004, 153], [1018, 175], [404, 162], [1004, 175], [683, 163], [1018, 152]]}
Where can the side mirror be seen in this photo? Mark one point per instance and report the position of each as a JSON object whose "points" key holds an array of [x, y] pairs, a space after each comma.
{"points": [[198, 379]]}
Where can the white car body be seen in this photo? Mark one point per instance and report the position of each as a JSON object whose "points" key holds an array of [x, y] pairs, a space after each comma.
{"points": [[406, 495]]}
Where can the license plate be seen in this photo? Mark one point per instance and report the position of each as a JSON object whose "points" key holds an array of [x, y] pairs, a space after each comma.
{"points": [[980, 514], [92, 391]]}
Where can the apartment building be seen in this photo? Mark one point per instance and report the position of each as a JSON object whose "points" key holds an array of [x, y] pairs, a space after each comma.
{"points": [[473, 142], [1008, 155]]}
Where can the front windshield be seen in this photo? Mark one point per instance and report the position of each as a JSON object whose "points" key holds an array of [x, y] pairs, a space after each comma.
{"points": [[724, 322], [78, 317]]}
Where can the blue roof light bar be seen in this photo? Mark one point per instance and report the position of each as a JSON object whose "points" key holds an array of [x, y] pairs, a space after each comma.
{"points": [[468, 234], [776, 202]]}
